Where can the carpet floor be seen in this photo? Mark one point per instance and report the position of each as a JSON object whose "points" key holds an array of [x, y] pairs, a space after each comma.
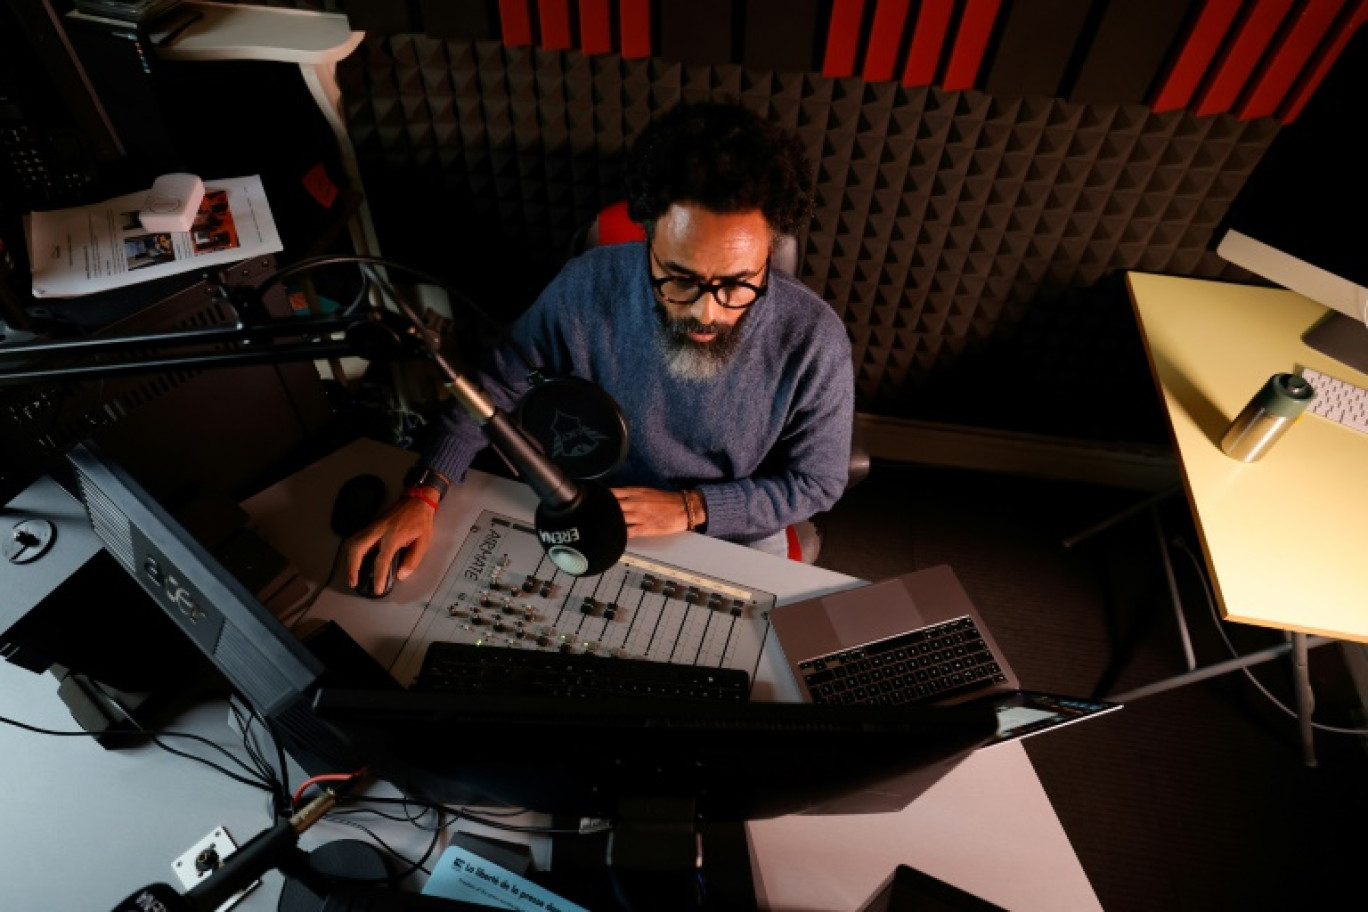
{"points": [[1192, 799]]}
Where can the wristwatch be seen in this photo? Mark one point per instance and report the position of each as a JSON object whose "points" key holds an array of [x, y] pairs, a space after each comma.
{"points": [[423, 477]]}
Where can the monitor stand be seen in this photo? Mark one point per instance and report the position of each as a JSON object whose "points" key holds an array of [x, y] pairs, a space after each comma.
{"points": [[578, 871], [1341, 337]]}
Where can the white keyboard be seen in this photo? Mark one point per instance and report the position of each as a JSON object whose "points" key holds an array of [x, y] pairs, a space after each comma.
{"points": [[1341, 402]]}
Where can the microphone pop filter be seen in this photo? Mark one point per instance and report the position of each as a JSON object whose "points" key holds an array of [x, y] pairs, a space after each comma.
{"points": [[577, 425]]}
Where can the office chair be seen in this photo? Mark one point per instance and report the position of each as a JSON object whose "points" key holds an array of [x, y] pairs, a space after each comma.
{"points": [[614, 226]]}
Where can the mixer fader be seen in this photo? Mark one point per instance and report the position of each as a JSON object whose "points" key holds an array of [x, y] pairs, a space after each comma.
{"points": [[502, 590]]}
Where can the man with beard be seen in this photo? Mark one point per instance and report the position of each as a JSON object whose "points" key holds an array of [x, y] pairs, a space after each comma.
{"points": [[735, 379]]}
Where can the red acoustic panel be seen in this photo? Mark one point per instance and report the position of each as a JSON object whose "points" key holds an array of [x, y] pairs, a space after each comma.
{"points": [[971, 40], [1237, 64], [554, 16], [928, 39], [843, 38], [1313, 75], [516, 18], [1202, 43], [1309, 26], [596, 27], [885, 37], [634, 19]]}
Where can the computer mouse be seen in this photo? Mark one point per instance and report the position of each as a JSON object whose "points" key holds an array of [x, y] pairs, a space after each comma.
{"points": [[365, 577], [358, 502]]}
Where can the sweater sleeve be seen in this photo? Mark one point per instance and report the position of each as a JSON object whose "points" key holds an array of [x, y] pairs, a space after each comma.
{"points": [[458, 437], [807, 470]]}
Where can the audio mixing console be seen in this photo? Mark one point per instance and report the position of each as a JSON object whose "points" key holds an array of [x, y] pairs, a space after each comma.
{"points": [[502, 590]]}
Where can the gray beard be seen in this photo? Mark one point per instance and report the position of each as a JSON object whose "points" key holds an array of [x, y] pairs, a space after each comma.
{"points": [[686, 359]]}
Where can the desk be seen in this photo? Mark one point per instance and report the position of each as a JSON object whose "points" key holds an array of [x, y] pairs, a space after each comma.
{"points": [[1283, 536], [987, 827]]}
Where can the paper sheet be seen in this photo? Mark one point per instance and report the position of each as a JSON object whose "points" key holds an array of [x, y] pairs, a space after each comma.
{"points": [[463, 875], [86, 249]]}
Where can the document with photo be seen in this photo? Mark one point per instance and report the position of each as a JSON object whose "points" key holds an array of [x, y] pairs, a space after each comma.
{"points": [[93, 248]]}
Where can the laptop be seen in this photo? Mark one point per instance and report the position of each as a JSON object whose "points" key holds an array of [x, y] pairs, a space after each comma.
{"points": [[915, 638]]}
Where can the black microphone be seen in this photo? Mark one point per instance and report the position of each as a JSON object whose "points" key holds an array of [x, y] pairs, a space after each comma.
{"points": [[579, 524]]}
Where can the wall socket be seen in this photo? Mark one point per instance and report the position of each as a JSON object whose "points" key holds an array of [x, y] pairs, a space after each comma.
{"points": [[204, 858]]}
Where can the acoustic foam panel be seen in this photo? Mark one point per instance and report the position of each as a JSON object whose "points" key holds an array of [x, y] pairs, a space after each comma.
{"points": [[973, 245]]}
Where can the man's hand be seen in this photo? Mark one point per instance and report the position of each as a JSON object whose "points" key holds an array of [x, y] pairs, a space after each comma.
{"points": [[649, 511], [408, 523]]}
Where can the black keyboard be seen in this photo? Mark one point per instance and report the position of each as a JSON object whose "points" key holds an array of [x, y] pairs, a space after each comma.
{"points": [[489, 670], [931, 664]]}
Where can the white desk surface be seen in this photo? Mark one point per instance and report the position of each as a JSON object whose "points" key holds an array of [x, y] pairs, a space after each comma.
{"points": [[84, 827], [987, 827], [1283, 536]]}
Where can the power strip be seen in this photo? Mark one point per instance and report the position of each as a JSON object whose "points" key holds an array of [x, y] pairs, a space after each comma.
{"points": [[204, 858]]}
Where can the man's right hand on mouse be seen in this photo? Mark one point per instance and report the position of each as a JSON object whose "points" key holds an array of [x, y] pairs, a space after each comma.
{"points": [[408, 523]]}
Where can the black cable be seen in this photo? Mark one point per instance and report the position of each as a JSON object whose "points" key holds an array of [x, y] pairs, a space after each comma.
{"points": [[311, 263], [249, 743], [284, 805], [517, 828], [484, 818], [254, 783], [281, 798], [409, 818], [412, 865], [427, 803], [241, 764], [300, 612]]}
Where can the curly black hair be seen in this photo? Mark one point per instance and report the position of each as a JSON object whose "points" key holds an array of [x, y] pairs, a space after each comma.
{"points": [[723, 157]]}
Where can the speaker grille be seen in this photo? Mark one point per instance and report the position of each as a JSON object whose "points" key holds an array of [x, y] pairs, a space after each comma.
{"points": [[111, 526]]}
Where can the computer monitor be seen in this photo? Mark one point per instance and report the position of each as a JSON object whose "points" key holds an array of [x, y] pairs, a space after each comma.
{"points": [[1301, 219], [583, 758], [267, 666], [623, 760]]}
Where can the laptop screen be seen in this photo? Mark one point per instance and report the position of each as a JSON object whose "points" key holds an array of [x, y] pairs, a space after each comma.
{"points": [[1029, 712]]}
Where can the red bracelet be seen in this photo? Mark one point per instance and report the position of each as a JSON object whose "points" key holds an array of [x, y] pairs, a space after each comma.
{"points": [[417, 494]]}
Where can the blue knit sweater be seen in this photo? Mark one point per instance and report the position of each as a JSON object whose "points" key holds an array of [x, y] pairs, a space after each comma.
{"points": [[766, 441]]}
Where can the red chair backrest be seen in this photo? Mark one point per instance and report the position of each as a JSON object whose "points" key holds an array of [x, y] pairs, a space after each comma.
{"points": [[615, 226]]}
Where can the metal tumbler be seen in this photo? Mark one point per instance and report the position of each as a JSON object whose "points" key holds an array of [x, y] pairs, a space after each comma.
{"points": [[1267, 417]]}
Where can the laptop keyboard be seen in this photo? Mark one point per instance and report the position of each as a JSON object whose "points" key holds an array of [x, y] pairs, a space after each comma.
{"points": [[933, 663]]}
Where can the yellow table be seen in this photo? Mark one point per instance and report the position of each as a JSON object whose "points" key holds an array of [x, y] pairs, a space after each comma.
{"points": [[1283, 537]]}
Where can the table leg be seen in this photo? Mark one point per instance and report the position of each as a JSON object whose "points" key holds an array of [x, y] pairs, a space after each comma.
{"points": [[1306, 699], [1214, 670], [1123, 515], [1175, 600]]}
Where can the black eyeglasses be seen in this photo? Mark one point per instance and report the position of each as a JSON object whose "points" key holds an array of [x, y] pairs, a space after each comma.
{"points": [[732, 294]]}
